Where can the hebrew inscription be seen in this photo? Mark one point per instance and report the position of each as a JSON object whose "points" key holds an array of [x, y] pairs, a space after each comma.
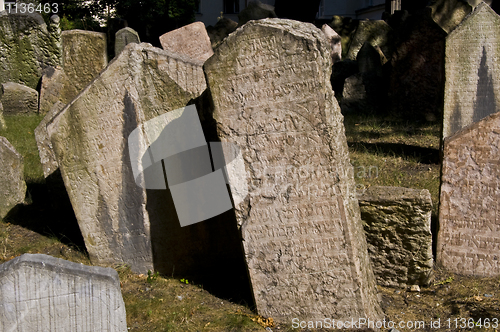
{"points": [[469, 216], [472, 70], [303, 240]]}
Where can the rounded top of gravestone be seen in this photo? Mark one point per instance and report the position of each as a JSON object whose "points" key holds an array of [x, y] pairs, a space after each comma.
{"points": [[55, 18], [59, 265]]}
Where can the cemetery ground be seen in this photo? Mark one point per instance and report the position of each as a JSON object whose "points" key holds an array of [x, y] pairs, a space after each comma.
{"points": [[383, 152]]}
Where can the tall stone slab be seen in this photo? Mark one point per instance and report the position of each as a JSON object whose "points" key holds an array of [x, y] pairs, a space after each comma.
{"points": [[84, 55], [12, 185], [191, 40], [397, 223], [472, 70], [43, 293], [27, 46], [469, 224], [303, 240], [90, 136], [124, 37]]}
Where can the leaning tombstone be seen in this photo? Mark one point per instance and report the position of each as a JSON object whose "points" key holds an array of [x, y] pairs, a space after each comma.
{"points": [[191, 40], [397, 224], [472, 71], [221, 30], [469, 227], [89, 137], [124, 37], [449, 13], [18, 99], [12, 185], [255, 10], [301, 231], [43, 293]]}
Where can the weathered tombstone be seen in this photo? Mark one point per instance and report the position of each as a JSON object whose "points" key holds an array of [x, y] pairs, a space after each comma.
{"points": [[12, 185], [377, 33], [303, 240], [42, 293], [472, 82], [89, 137], [335, 42], [84, 55], [27, 47], [191, 40], [18, 99], [416, 87], [124, 37], [45, 150], [397, 224], [469, 228], [221, 30], [255, 10], [449, 13]]}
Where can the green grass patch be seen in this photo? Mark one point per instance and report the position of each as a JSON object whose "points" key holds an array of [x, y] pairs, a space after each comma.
{"points": [[20, 132]]}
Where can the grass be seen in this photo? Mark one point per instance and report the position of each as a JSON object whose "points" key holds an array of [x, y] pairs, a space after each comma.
{"points": [[382, 153]]}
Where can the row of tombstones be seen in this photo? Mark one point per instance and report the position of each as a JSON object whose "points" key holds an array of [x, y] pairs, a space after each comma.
{"points": [[303, 242]]}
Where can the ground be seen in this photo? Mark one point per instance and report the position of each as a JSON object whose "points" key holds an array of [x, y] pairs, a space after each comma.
{"points": [[383, 152]]}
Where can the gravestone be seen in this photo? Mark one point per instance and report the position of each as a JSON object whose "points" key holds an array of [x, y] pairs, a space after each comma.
{"points": [[42, 293], [417, 77], [377, 33], [397, 224], [27, 46], [12, 185], [84, 55], [302, 236], [191, 40], [335, 42], [45, 150], [124, 37], [449, 13], [469, 227], [255, 10], [18, 99], [90, 136], [472, 70], [221, 30]]}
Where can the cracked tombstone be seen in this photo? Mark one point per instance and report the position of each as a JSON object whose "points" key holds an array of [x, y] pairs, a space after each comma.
{"points": [[89, 137]]}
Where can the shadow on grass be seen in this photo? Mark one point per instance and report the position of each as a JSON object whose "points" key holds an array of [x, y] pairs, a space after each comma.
{"points": [[422, 155], [48, 212]]}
